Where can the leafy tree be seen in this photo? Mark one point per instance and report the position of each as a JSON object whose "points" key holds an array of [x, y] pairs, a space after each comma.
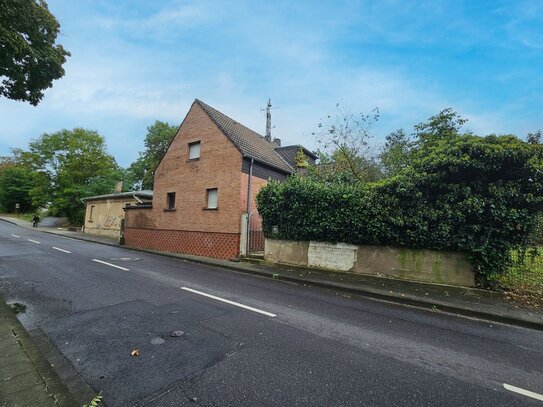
{"points": [[158, 138], [395, 154], [15, 185], [70, 165], [344, 139], [7, 162], [534, 138], [446, 124], [29, 58]]}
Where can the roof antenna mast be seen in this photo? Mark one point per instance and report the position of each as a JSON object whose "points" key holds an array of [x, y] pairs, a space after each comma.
{"points": [[268, 121], [269, 127]]}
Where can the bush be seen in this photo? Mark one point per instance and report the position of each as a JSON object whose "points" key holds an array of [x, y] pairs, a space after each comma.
{"points": [[466, 193]]}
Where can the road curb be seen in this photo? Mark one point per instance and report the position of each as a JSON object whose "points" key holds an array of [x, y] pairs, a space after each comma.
{"points": [[434, 306], [50, 377]]}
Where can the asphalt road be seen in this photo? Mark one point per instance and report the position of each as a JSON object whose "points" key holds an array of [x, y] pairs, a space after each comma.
{"points": [[294, 346]]}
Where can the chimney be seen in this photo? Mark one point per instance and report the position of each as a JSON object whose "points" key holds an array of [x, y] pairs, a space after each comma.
{"points": [[277, 141], [118, 187]]}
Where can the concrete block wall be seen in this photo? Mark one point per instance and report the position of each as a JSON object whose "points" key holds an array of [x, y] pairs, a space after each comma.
{"points": [[413, 264]]}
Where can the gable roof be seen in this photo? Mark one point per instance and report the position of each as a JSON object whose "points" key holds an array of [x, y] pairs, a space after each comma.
{"points": [[248, 142]]}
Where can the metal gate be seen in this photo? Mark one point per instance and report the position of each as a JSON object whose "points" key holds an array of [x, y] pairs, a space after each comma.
{"points": [[255, 235]]}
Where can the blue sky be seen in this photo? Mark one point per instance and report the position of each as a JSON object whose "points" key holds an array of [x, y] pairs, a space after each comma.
{"points": [[134, 62]]}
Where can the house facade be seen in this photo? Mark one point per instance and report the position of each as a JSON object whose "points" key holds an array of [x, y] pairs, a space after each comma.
{"points": [[204, 186], [104, 213]]}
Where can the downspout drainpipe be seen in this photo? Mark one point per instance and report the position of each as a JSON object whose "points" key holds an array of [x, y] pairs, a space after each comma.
{"points": [[137, 199], [248, 205]]}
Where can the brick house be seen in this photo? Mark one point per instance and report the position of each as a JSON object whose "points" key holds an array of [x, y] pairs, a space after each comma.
{"points": [[206, 184]]}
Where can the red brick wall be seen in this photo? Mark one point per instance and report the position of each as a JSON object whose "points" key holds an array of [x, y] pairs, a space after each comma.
{"points": [[219, 167], [256, 184], [190, 228], [217, 245], [139, 218]]}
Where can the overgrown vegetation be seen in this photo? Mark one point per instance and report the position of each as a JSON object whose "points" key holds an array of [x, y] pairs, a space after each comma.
{"points": [[450, 191], [58, 169]]}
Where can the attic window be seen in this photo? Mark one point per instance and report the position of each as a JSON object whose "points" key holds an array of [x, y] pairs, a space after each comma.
{"points": [[194, 150]]}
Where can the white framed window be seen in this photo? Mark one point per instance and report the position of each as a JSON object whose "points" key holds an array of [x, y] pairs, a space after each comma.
{"points": [[194, 150], [212, 198]]}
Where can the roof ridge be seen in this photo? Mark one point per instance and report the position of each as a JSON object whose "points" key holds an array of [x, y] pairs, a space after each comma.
{"points": [[247, 141]]}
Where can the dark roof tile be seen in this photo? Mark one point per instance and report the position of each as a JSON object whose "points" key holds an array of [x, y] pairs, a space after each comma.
{"points": [[249, 143]]}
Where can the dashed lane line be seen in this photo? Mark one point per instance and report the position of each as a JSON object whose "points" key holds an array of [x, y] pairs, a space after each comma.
{"points": [[109, 264], [33, 241], [61, 250], [237, 304], [17, 236], [524, 392]]}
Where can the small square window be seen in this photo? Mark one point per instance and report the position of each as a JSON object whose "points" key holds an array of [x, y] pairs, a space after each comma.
{"points": [[170, 200], [194, 150], [212, 198]]}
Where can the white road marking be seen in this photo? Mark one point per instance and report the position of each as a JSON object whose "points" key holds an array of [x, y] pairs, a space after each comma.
{"points": [[61, 250], [16, 236], [33, 241], [109, 264], [237, 304], [526, 393]]}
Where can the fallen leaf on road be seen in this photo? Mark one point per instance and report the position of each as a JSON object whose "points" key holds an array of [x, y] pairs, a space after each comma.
{"points": [[135, 352]]}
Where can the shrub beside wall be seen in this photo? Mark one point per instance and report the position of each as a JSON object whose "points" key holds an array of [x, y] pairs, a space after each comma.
{"points": [[466, 193]]}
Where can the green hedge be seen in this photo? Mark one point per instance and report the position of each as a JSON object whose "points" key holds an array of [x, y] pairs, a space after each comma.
{"points": [[477, 195]]}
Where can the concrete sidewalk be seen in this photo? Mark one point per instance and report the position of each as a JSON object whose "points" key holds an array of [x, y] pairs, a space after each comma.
{"points": [[26, 377], [488, 305]]}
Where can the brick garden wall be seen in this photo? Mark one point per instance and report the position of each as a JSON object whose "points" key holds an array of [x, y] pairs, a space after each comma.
{"points": [[208, 244]]}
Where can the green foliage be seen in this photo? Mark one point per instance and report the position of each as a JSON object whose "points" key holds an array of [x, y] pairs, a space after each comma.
{"points": [[96, 401], [15, 184], [445, 124], [396, 153], [157, 140], [535, 138], [69, 165], [30, 60], [344, 141], [301, 160], [463, 193]]}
